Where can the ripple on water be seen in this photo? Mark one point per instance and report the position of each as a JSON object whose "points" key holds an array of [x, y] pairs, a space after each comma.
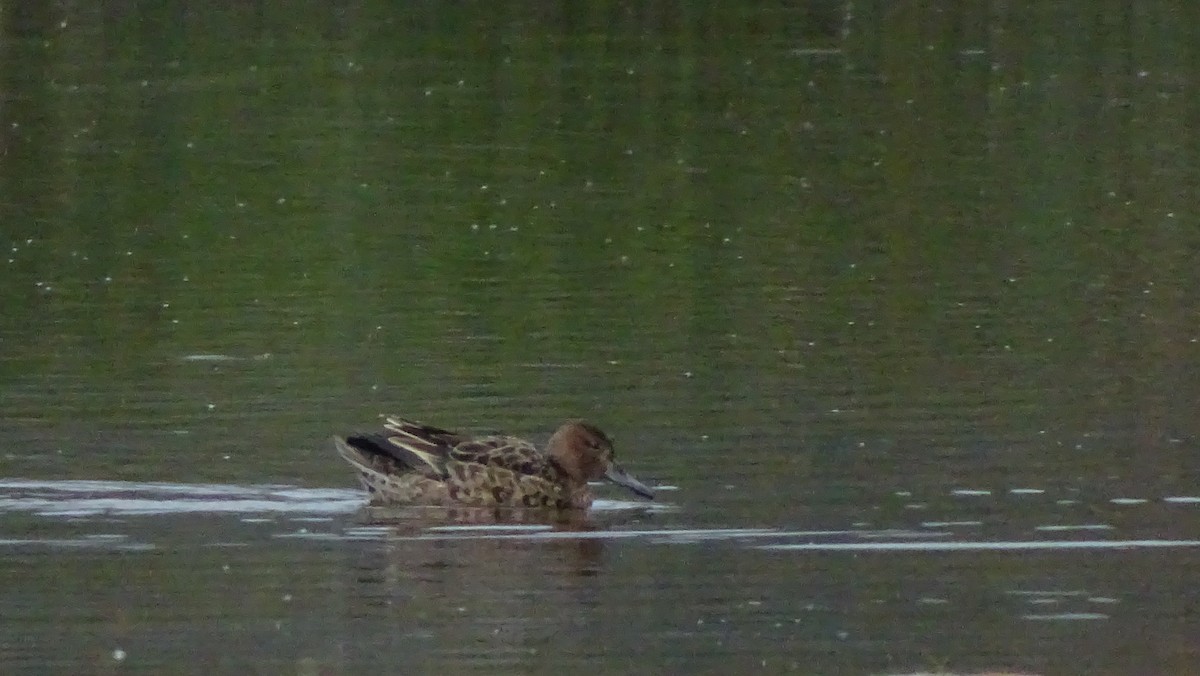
{"points": [[967, 546], [91, 498]]}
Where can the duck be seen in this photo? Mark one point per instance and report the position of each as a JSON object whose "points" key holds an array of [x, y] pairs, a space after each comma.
{"points": [[411, 463]]}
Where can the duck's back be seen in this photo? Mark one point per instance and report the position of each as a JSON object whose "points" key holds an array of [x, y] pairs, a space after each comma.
{"points": [[504, 472]]}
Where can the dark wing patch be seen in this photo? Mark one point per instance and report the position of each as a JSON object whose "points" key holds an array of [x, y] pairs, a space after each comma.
{"points": [[397, 456], [408, 446], [416, 431]]}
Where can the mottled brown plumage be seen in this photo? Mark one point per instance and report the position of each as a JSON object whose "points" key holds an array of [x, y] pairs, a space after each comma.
{"points": [[412, 463]]}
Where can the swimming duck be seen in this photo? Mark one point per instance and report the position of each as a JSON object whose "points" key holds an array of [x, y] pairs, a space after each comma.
{"points": [[413, 463]]}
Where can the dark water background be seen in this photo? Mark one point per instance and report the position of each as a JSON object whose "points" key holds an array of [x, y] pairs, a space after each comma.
{"points": [[898, 305]]}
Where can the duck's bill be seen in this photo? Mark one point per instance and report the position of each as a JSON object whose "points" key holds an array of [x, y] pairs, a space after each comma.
{"points": [[622, 478]]}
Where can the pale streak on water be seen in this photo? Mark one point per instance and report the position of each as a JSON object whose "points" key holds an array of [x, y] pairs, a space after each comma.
{"points": [[81, 499]]}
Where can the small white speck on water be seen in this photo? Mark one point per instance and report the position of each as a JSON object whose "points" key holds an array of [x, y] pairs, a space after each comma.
{"points": [[118, 655], [687, 374], [211, 406]]}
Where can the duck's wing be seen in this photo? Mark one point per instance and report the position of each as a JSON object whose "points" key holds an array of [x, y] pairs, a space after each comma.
{"points": [[403, 446], [511, 453]]}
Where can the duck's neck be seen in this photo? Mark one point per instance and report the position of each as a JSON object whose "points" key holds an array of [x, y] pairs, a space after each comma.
{"points": [[578, 493]]}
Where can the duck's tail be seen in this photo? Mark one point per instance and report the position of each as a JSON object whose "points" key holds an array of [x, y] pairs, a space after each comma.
{"points": [[368, 465], [385, 477], [372, 466], [357, 457]]}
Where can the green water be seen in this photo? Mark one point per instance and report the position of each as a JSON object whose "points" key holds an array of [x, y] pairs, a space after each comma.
{"points": [[816, 266]]}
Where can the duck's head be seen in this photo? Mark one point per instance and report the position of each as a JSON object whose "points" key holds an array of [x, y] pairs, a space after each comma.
{"points": [[586, 454]]}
